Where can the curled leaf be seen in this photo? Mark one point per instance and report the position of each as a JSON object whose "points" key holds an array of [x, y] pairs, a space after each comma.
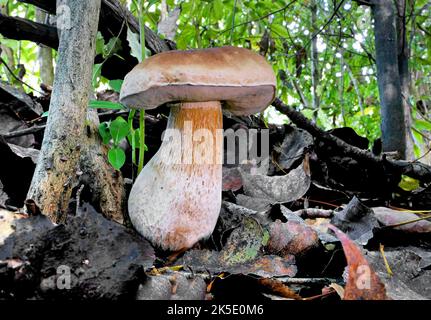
{"points": [[363, 283]]}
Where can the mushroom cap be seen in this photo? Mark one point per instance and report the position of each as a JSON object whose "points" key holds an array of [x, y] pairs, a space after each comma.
{"points": [[239, 77]]}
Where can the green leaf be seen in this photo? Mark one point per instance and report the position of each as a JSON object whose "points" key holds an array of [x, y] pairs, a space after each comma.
{"points": [[97, 70], [218, 9], [134, 44], [116, 85], [119, 129], [116, 157], [408, 184], [113, 46], [45, 114], [95, 104], [104, 132], [422, 125], [100, 43]]}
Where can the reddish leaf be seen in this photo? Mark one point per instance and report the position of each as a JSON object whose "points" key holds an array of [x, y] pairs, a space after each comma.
{"points": [[363, 283], [231, 179], [291, 237]]}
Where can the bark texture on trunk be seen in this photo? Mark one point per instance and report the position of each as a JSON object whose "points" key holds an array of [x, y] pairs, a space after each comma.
{"points": [[403, 68], [105, 184], [56, 170], [315, 100], [45, 55]]}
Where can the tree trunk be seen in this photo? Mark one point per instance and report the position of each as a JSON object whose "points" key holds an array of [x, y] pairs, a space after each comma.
{"points": [[314, 62], [403, 68], [105, 184], [56, 170], [388, 78], [10, 60], [45, 55]]}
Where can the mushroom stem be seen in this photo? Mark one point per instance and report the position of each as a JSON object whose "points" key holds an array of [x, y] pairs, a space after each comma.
{"points": [[176, 198]]}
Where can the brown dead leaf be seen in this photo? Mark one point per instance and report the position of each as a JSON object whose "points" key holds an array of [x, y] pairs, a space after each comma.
{"points": [[291, 237], [363, 283], [231, 179], [278, 288], [389, 217], [278, 189]]}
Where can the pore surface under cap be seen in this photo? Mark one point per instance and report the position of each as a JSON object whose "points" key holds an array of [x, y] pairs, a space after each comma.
{"points": [[241, 78]]}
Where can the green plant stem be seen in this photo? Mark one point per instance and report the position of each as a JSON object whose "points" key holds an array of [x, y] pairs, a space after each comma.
{"points": [[142, 112], [130, 121], [142, 140]]}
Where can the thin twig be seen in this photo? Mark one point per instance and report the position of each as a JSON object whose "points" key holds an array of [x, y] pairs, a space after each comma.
{"points": [[18, 79]]}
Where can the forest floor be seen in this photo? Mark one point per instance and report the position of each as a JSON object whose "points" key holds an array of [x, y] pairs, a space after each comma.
{"points": [[320, 225]]}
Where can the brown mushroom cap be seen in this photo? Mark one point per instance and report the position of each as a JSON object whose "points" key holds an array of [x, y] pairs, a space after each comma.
{"points": [[239, 77]]}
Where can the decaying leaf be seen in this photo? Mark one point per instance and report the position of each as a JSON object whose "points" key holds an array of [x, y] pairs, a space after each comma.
{"points": [[242, 254], [357, 221], [295, 144], [22, 152], [21, 101], [16, 182], [363, 283], [319, 225], [256, 204], [231, 179], [409, 281], [291, 237], [389, 217], [278, 288], [278, 189]]}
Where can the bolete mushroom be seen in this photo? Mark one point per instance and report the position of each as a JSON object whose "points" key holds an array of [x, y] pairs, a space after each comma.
{"points": [[175, 203]]}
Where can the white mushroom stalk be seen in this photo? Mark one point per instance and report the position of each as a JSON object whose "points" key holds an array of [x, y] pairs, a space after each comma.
{"points": [[176, 199], [178, 193]]}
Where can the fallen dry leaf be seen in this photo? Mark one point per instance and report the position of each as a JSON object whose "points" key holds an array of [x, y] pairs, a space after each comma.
{"points": [[242, 254], [278, 288], [388, 217], [278, 189], [357, 220], [291, 237], [363, 283], [231, 179]]}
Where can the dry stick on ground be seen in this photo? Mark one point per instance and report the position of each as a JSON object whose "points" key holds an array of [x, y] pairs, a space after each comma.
{"points": [[415, 170], [56, 171]]}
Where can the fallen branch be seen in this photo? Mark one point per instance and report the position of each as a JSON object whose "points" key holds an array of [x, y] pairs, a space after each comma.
{"points": [[112, 15], [413, 169], [23, 29]]}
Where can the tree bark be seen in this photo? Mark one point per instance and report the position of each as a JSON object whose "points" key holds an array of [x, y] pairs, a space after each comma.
{"points": [[45, 55], [388, 78], [7, 51], [403, 68], [114, 21], [106, 185], [56, 170], [314, 62], [23, 29]]}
